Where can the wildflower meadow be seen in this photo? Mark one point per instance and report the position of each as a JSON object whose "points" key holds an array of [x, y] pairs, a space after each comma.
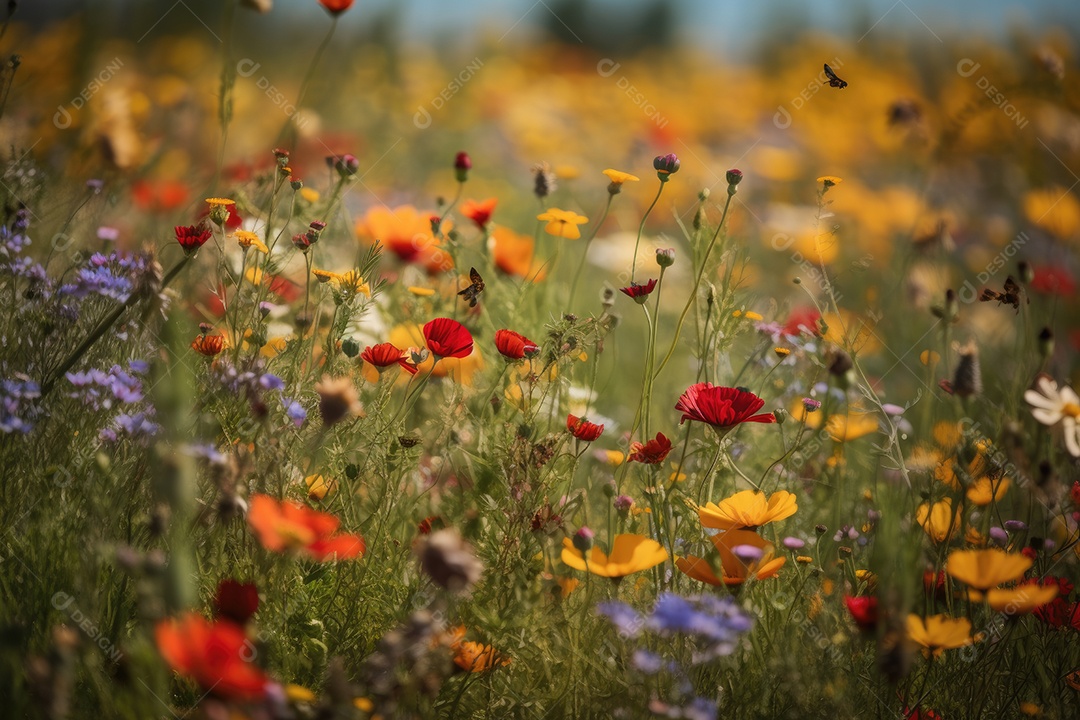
{"points": [[564, 368]]}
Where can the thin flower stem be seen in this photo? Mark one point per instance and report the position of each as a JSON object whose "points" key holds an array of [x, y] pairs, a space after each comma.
{"points": [[694, 290], [641, 229], [585, 256]]}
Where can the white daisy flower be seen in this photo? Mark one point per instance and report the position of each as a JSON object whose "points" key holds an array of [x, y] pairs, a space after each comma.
{"points": [[1052, 405]]}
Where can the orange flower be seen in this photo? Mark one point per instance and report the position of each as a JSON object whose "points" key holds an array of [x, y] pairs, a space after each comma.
{"points": [[562, 223], [629, 554], [336, 7], [479, 211], [287, 526], [208, 345], [748, 509], [939, 520], [736, 570], [216, 655], [406, 232], [514, 254]]}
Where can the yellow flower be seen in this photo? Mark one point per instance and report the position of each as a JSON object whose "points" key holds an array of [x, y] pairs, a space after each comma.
{"points": [[804, 559], [562, 223], [782, 352], [985, 569], [938, 520], [219, 202], [299, 693], [324, 276], [611, 457], [319, 487], [247, 239], [362, 703], [939, 633], [748, 314], [854, 425], [350, 282], [309, 195], [986, 490], [1054, 209], [829, 181], [420, 291], [618, 178], [929, 358], [1022, 599], [748, 509], [735, 570], [629, 554]]}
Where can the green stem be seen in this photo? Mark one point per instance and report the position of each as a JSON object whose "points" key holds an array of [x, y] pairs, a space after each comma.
{"points": [[585, 257], [697, 286], [641, 229]]}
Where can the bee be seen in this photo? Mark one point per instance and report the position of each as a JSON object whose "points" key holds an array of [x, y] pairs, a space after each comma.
{"points": [[1010, 294], [834, 79], [472, 293]]}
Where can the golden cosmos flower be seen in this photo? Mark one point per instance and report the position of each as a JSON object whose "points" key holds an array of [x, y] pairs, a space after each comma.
{"points": [[939, 633], [562, 223], [938, 520], [854, 425], [247, 239], [629, 554], [748, 509], [1021, 599], [985, 569]]}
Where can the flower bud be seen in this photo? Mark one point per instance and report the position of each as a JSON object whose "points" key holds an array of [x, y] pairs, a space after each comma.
{"points": [[462, 166], [296, 183], [1046, 342], [622, 504], [734, 176], [301, 241], [583, 539], [665, 165], [781, 415], [346, 165], [665, 257], [350, 347]]}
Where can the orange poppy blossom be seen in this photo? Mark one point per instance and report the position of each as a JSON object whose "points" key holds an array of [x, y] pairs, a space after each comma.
{"points": [[736, 570], [208, 345], [216, 655], [629, 554], [407, 233], [473, 656], [748, 509], [289, 526], [479, 211], [514, 254]]}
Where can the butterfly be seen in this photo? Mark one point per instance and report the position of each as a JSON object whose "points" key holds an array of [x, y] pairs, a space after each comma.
{"points": [[1010, 294], [834, 79], [472, 293]]}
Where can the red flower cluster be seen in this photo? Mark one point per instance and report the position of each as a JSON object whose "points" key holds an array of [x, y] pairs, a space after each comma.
{"points": [[721, 407], [652, 452], [514, 346], [384, 355], [582, 429], [216, 655], [448, 338]]}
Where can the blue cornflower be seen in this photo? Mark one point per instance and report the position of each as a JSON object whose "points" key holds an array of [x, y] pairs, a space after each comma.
{"points": [[294, 411], [17, 412], [625, 618]]}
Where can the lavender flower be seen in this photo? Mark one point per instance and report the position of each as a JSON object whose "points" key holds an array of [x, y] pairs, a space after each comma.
{"points": [[17, 411], [626, 619]]}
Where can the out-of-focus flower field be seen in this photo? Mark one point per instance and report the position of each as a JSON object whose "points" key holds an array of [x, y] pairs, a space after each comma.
{"points": [[350, 376]]}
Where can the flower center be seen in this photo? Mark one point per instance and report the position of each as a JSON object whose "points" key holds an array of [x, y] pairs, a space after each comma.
{"points": [[1071, 409]]}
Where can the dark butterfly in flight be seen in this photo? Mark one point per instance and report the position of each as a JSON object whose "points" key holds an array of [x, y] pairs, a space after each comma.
{"points": [[472, 293], [1010, 294], [834, 79]]}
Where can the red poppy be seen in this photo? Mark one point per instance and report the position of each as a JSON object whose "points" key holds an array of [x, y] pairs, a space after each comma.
{"points": [[159, 195], [582, 429], [864, 611], [638, 292], [721, 407], [934, 582], [448, 338], [336, 7], [232, 221], [384, 355], [1053, 280], [291, 526], [652, 452], [431, 522], [802, 320], [514, 346], [236, 601], [191, 237], [479, 211], [208, 345], [921, 713], [216, 655], [1059, 612]]}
